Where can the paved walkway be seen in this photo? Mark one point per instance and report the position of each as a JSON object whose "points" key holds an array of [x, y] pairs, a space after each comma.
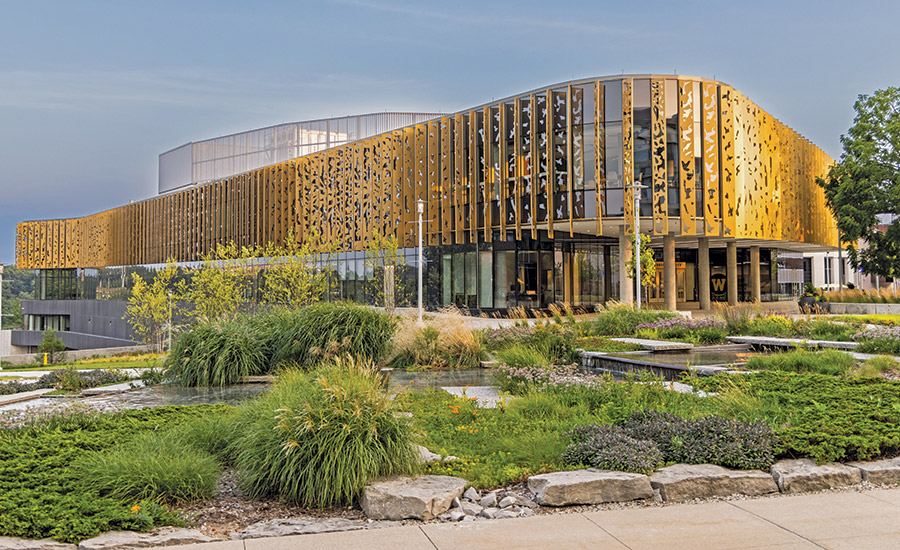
{"points": [[851, 520]]}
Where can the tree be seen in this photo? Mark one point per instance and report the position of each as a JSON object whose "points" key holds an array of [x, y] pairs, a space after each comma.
{"points": [[18, 285], [648, 262], [295, 275], [866, 184], [152, 305], [383, 259], [217, 288], [52, 346]]}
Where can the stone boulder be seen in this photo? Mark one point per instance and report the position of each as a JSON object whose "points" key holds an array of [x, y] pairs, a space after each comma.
{"points": [[800, 475], [163, 536], [15, 543], [681, 482], [590, 486], [879, 472], [423, 497]]}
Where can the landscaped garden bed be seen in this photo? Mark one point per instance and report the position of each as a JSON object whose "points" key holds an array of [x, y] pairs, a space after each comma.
{"points": [[328, 427]]}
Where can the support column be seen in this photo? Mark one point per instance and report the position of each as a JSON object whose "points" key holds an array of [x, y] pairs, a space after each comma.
{"points": [[731, 272], [703, 267], [626, 283], [567, 276], [755, 285], [669, 291]]}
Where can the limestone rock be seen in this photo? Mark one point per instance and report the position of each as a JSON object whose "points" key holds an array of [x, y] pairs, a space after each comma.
{"points": [[489, 512], [879, 472], [15, 543], [504, 514], [426, 456], [164, 536], [489, 500], [471, 494], [470, 508], [423, 497], [305, 525], [689, 481], [456, 515], [507, 502], [793, 476], [590, 486]]}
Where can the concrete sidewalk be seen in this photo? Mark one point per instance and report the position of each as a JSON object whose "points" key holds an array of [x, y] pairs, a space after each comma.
{"points": [[851, 520]]}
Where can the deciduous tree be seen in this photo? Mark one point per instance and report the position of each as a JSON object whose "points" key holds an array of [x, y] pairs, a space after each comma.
{"points": [[864, 187]]}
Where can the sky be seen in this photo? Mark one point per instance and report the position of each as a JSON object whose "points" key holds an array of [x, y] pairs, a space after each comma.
{"points": [[91, 92]]}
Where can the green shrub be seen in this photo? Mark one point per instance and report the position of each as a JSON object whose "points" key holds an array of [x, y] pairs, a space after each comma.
{"points": [[610, 448], [708, 440], [770, 325], [523, 355], [621, 320], [211, 433], [318, 437], [827, 361], [153, 466], [42, 492]]}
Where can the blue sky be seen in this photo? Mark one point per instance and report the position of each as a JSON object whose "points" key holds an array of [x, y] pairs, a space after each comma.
{"points": [[91, 92]]}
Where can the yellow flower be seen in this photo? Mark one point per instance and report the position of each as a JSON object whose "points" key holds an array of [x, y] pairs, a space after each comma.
{"points": [[135, 509]]}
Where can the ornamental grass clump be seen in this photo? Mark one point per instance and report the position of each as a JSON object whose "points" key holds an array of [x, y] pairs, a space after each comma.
{"points": [[317, 438], [217, 353], [154, 466]]}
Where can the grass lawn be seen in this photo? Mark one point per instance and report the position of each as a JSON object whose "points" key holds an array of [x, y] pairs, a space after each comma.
{"points": [[122, 362]]}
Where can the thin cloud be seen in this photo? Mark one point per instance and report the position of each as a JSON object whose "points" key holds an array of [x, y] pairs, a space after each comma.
{"points": [[508, 22]]}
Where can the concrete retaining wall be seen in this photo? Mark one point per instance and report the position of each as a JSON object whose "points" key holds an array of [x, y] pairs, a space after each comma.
{"points": [[845, 308], [26, 358]]}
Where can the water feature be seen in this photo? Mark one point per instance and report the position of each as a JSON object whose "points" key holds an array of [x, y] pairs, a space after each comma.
{"points": [[704, 361], [151, 396], [398, 378]]}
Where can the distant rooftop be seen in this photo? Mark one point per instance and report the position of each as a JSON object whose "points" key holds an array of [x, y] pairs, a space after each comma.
{"points": [[226, 156]]}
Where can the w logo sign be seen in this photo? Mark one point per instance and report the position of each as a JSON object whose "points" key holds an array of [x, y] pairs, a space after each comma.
{"points": [[718, 283]]}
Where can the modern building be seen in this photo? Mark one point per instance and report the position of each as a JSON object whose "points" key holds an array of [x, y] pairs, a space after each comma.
{"points": [[529, 200]]}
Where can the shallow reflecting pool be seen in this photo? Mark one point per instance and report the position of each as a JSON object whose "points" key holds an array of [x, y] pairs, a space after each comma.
{"points": [[152, 396], [694, 358], [438, 378]]}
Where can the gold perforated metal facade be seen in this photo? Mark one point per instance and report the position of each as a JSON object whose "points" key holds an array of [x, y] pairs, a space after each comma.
{"points": [[715, 164]]}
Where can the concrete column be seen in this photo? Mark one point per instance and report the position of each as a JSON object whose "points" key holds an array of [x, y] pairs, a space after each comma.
{"points": [[567, 277], [755, 285], [669, 291], [703, 267], [731, 272], [626, 283]]}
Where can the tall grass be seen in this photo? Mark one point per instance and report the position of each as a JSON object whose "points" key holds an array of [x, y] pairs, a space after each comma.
{"points": [[317, 438], [885, 296], [219, 353], [154, 466], [446, 340]]}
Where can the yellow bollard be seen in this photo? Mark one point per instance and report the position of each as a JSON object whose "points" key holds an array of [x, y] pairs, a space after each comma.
{"points": [[45, 359]]}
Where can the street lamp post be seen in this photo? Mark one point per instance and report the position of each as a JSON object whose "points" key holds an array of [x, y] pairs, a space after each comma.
{"points": [[1, 296], [420, 208], [637, 187]]}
